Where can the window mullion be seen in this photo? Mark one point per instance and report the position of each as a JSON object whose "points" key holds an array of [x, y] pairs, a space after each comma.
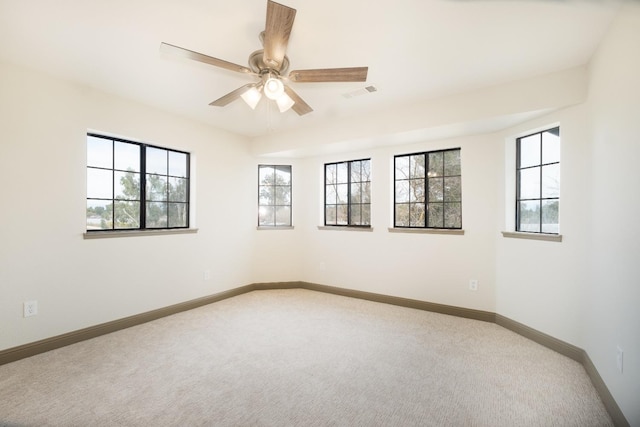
{"points": [[349, 193], [541, 157], [113, 185], [143, 187], [427, 201]]}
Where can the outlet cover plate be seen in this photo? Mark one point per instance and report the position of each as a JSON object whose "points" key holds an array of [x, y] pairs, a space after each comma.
{"points": [[30, 308], [619, 359]]}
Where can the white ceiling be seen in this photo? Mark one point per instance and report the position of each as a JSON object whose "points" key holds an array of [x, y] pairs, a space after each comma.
{"points": [[416, 50]]}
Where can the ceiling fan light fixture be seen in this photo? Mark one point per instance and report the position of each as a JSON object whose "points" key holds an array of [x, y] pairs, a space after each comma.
{"points": [[284, 102], [273, 88], [252, 97]]}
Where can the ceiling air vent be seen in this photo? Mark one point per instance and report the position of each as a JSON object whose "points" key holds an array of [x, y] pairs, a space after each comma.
{"points": [[362, 91]]}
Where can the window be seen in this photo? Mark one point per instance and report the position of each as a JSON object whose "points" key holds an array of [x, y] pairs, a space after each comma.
{"points": [[133, 186], [347, 193], [538, 182], [274, 196], [428, 190]]}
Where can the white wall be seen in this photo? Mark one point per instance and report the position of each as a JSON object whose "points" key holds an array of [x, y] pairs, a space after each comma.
{"points": [[430, 267], [277, 254], [77, 282], [612, 305], [541, 283], [585, 290]]}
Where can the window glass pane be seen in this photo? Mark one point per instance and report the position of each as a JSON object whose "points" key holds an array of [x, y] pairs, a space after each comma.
{"points": [[266, 216], [178, 164], [402, 167], [551, 180], [342, 215], [366, 192], [530, 183], [452, 189], [331, 194], [366, 214], [156, 188], [266, 196], [342, 191], [356, 171], [452, 162], [356, 215], [529, 216], [550, 216], [331, 174], [417, 166], [356, 193], [127, 214], [416, 215], [157, 214], [126, 156], [551, 146], [436, 215], [99, 152], [416, 190], [267, 175], [177, 214], [283, 195], [99, 184], [156, 161], [127, 185], [436, 190], [402, 215], [402, 191], [530, 151], [330, 215], [453, 215], [283, 175], [343, 172], [178, 189], [366, 170], [436, 164], [283, 216], [99, 215]]}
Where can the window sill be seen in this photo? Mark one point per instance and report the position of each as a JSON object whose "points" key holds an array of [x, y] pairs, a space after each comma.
{"points": [[533, 236], [426, 231], [344, 227], [133, 233], [272, 227]]}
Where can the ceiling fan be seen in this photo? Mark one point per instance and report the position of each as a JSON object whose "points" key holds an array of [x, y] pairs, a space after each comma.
{"points": [[270, 65]]}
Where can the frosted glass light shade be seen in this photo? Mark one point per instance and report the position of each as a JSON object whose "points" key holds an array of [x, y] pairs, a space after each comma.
{"points": [[284, 102], [252, 97], [273, 88]]}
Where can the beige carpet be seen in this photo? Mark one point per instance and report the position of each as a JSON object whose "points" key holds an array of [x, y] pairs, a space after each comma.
{"points": [[301, 358]]}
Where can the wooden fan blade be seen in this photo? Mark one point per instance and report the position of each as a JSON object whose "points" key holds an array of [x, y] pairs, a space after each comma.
{"points": [[300, 106], [232, 96], [355, 74], [276, 34], [186, 53]]}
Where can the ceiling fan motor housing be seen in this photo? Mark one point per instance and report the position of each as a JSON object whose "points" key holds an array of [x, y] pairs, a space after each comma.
{"points": [[257, 65]]}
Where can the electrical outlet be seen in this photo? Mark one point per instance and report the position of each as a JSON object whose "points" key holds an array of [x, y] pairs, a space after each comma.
{"points": [[30, 308], [619, 358], [207, 274], [473, 285]]}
